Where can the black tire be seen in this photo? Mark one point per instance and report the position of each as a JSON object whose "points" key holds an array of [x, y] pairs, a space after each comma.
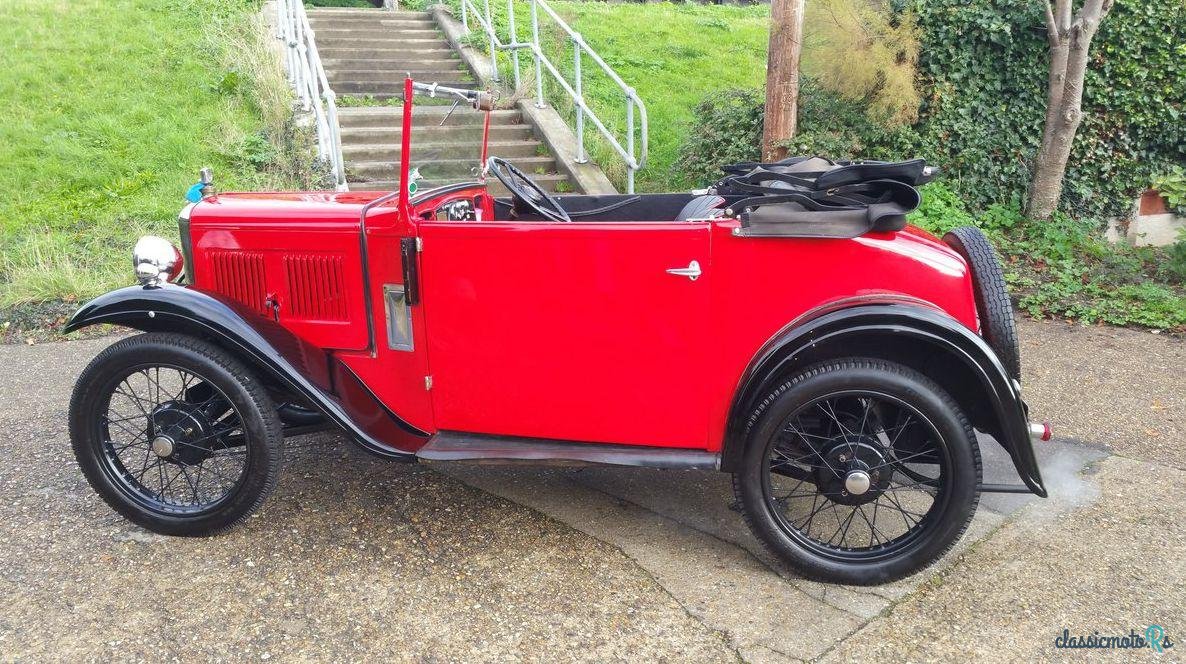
{"points": [[942, 438], [992, 298], [207, 410]]}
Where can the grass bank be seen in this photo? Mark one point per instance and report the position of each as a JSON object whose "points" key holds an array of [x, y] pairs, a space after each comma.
{"points": [[111, 107]]}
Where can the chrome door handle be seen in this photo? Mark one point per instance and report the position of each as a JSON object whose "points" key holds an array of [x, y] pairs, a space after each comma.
{"points": [[692, 271]]}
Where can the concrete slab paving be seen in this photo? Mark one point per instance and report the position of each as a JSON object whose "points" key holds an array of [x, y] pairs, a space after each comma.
{"points": [[719, 583]]}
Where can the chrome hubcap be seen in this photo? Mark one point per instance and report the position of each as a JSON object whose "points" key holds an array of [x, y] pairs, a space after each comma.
{"points": [[162, 446], [857, 482]]}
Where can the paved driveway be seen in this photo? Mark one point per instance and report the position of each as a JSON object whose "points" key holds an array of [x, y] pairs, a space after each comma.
{"points": [[355, 558]]}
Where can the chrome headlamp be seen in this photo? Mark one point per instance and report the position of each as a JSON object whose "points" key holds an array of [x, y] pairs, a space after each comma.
{"points": [[156, 260]]}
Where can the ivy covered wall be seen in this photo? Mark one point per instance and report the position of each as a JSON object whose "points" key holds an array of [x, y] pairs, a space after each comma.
{"points": [[983, 69]]}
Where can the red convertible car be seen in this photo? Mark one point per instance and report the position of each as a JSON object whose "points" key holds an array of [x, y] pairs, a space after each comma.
{"points": [[785, 326]]}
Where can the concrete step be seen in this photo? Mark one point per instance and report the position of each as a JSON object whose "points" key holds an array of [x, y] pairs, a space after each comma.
{"points": [[355, 51], [548, 182], [392, 117], [393, 64], [377, 34], [318, 12], [362, 152], [392, 75], [351, 22], [336, 44], [445, 168], [451, 132], [388, 90]]}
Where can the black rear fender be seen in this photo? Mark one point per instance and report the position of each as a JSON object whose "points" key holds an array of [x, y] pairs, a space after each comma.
{"points": [[924, 339]]}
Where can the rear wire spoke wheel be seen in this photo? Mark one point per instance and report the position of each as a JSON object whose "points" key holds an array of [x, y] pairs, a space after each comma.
{"points": [[175, 434], [859, 472]]}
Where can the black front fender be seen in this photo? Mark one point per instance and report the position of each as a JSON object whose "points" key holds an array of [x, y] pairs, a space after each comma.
{"points": [[264, 345], [929, 340]]}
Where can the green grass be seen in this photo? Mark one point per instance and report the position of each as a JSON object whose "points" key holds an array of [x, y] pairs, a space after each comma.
{"points": [[110, 109]]}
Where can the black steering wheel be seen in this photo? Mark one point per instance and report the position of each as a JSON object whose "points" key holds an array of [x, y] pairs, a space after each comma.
{"points": [[527, 195]]}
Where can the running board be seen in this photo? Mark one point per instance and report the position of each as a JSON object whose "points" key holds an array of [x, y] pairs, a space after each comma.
{"points": [[460, 446]]}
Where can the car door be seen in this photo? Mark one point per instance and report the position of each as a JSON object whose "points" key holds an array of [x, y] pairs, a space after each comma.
{"points": [[592, 332]]}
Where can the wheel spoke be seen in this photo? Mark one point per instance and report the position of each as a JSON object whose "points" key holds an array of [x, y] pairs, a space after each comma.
{"points": [[135, 398], [847, 524], [896, 461], [815, 510], [903, 511]]}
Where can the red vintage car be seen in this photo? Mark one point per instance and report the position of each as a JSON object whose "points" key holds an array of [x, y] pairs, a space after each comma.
{"points": [[785, 326]]}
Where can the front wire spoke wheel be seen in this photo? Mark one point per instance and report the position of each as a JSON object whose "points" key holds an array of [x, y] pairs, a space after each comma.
{"points": [[859, 471], [162, 452], [175, 433]]}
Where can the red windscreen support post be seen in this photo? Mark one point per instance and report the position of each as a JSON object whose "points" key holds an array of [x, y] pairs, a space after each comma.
{"points": [[405, 156], [485, 144]]}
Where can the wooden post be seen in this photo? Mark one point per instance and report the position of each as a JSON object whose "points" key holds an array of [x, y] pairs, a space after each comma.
{"points": [[782, 76]]}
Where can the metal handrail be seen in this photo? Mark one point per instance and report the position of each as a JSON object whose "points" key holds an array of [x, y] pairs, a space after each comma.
{"points": [[307, 77], [575, 91]]}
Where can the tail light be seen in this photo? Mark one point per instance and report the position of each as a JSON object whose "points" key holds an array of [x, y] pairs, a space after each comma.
{"points": [[1040, 431]]}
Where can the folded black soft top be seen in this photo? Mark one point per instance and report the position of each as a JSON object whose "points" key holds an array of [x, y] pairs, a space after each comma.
{"points": [[817, 197]]}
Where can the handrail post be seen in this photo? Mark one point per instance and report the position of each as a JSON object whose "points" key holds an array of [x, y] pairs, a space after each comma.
{"points": [[493, 46], [281, 23], [630, 141], [514, 40], [331, 106], [290, 44], [464, 16], [301, 51], [535, 49], [296, 54], [577, 46]]}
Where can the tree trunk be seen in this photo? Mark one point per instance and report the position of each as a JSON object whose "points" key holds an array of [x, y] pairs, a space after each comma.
{"points": [[1070, 40], [782, 76]]}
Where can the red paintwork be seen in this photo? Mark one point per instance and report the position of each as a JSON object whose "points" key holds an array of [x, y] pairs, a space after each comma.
{"points": [[570, 331]]}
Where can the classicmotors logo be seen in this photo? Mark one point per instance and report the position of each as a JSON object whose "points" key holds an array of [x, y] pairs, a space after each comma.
{"points": [[1153, 637]]}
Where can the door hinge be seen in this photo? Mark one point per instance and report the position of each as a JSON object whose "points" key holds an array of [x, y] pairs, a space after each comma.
{"points": [[428, 382], [407, 247]]}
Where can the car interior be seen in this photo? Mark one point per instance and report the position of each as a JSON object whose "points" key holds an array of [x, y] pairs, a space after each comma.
{"points": [[620, 207]]}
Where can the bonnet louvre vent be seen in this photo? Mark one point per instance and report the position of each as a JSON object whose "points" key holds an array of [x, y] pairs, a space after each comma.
{"points": [[240, 276], [315, 288]]}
